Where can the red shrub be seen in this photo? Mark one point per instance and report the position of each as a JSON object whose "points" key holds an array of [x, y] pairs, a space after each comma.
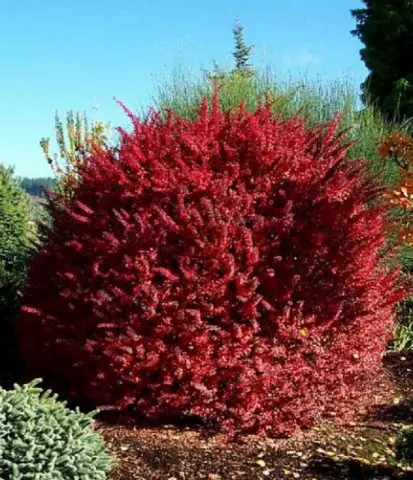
{"points": [[225, 268]]}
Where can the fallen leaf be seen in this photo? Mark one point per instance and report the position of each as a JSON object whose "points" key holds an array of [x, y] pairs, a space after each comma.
{"points": [[304, 332]]}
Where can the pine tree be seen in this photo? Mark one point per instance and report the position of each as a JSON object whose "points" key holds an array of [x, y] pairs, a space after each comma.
{"points": [[242, 52], [385, 27]]}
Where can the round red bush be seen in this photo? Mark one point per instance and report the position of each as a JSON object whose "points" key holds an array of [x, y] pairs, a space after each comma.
{"points": [[226, 268]]}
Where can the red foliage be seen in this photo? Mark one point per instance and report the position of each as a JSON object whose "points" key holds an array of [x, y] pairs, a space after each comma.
{"points": [[225, 268]]}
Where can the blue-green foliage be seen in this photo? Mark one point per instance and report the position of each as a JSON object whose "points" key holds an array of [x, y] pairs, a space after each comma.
{"points": [[41, 439]]}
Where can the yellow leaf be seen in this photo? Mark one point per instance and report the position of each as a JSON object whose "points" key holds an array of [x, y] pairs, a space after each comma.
{"points": [[261, 463]]}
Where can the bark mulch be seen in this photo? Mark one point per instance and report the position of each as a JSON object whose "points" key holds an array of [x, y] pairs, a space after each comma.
{"points": [[363, 449]]}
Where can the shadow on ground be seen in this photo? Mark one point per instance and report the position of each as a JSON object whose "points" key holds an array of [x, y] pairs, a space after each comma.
{"points": [[327, 468]]}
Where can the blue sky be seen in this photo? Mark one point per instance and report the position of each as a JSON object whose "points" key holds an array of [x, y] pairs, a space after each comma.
{"points": [[80, 54]]}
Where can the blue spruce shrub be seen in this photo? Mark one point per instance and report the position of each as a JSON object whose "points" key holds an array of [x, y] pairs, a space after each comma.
{"points": [[42, 439]]}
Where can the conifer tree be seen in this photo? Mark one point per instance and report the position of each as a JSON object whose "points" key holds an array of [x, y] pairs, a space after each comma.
{"points": [[242, 51], [385, 27], [15, 233], [14, 236]]}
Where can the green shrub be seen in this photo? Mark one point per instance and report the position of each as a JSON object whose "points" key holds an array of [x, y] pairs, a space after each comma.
{"points": [[404, 445], [40, 438]]}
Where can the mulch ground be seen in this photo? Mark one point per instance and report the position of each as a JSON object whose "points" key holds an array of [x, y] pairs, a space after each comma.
{"points": [[363, 449]]}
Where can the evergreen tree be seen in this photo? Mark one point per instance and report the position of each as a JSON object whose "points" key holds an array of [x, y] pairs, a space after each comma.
{"points": [[15, 232], [242, 52], [385, 27]]}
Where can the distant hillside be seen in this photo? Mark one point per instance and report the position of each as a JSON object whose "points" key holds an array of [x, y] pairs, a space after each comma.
{"points": [[35, 186]]}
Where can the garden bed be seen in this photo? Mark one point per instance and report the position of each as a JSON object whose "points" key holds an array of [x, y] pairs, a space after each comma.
{"points": [[363, 449]]}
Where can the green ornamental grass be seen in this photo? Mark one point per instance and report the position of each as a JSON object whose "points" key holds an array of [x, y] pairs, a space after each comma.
{"points": [[317, 99]]}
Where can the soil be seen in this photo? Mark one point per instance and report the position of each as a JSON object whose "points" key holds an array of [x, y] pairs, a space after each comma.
{"points": [[362, 449]]}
